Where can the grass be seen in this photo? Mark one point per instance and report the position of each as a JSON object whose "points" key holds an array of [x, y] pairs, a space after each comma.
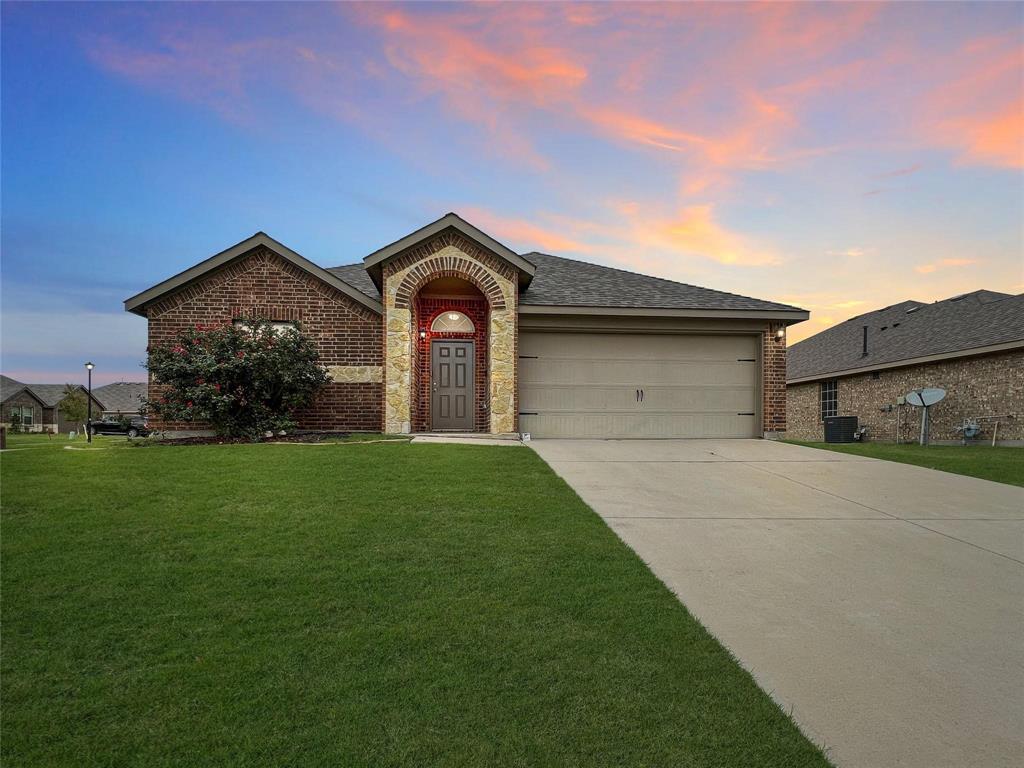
{"points": [[1002, 464], [384, 604]]}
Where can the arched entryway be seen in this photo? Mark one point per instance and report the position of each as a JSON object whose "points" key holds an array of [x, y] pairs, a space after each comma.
{"points": [[450, 388], [458, 271]]}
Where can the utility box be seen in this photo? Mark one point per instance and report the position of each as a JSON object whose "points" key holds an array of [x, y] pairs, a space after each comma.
{"points": [[840, 429]]}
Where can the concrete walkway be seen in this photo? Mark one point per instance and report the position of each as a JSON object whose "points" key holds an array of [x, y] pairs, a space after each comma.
{"points": [[882, 603]]}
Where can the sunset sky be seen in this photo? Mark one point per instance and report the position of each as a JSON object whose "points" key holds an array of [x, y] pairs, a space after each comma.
{"points": [[838, 157]]}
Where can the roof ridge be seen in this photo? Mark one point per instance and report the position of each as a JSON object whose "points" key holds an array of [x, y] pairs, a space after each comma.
{"points": [[655, 277]]}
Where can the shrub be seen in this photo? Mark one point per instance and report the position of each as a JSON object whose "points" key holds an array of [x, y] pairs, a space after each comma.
{"points": [[244, 380]]}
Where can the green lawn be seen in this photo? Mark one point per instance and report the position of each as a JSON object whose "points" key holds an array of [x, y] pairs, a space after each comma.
{"points": [[1002, 464], [378, 604]]}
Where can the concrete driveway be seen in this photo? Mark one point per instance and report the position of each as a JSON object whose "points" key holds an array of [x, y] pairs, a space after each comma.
{"points": [[882, 603]]}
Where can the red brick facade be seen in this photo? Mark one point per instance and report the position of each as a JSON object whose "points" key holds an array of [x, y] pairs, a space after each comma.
{"points": [[773, 379], [263, 284], [426, 308], [350, 335]]}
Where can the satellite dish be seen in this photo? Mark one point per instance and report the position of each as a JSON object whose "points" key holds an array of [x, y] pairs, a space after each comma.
{"points": [[922, 398]]}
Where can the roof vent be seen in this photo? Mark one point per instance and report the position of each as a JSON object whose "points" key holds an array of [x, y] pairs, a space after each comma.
{"points": [[895, 325], [912, 310]]}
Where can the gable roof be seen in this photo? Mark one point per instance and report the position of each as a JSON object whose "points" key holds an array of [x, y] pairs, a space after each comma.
{"points": [[547, 284], [48, 395], [122, 396], [911, 332], [10, 387], [375, 260], [137, 303], [567, 284]]}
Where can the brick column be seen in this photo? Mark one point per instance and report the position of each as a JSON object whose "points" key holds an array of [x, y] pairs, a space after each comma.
{"points": [[773, 377]]}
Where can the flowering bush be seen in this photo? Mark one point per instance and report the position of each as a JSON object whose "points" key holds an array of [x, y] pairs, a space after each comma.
{"points": [[244, 380]]}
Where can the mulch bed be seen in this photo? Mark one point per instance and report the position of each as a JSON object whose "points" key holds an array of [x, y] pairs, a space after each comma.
{"points": [[291, 437]]}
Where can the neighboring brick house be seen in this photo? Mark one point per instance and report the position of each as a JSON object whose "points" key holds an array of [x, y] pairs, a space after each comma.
{"points": [[971, 345], [37, 406], [448, 329], [122, 398]]}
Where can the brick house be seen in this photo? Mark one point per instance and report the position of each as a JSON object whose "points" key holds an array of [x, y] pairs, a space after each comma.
{"points": [[448, 329], [971, 345], [37, 406]]}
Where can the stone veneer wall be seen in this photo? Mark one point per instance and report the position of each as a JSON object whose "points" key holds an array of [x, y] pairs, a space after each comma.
{"points": [[449, 254], [975, 386], [261, 283]]}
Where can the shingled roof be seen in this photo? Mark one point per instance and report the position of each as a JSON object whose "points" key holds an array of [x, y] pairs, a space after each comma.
{"points": [[49, 395], [909, 331], [570, 283], [122, 396]]}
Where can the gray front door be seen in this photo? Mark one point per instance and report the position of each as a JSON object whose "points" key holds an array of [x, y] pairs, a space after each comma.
{"points": [[451, 371]]}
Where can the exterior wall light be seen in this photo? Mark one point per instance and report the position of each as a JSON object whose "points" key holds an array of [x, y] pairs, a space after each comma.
{"points": [[780, 334], [423, 333]]}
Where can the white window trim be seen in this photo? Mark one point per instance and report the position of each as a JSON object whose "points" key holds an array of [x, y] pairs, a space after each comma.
{"points": [[452, 317]]}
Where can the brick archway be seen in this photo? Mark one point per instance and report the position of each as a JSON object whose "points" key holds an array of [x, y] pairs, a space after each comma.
{"points": [[458, 267]]}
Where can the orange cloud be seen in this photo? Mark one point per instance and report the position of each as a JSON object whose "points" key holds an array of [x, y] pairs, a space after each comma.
{"points": [[979, 111], [523, 234], [927, 269], [996, 139], [695, 231]]}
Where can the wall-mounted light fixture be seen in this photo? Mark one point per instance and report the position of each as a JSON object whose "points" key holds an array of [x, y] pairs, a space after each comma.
{"points": [[780, 334], [423, 333]]}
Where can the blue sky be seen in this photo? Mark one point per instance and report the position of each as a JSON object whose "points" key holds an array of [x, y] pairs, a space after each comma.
{"points": [[840, 157]]}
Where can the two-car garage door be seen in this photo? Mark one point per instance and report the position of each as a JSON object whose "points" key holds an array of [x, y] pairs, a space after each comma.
{"points": [[630, 385]]}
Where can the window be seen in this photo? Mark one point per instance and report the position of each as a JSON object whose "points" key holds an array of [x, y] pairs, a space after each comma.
{"points": [[22, 414], [452, 322], [829, 398], [277, 327]]}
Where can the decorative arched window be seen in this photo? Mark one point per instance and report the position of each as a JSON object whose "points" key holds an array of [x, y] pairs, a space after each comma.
{"points": [[452, 322]]}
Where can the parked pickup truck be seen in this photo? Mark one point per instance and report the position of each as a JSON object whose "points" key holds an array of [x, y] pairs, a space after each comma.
{"points": [[112, 425]]}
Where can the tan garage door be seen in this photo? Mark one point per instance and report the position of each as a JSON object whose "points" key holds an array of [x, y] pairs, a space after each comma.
{"points": [[628, 385]]}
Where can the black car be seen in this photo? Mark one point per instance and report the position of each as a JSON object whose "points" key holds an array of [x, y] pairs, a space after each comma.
{"points": [[113, 425]]}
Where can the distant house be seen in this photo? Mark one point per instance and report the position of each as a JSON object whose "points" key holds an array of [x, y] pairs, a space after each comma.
{"points": [[970, 345], [37, 406], [122, 398]]}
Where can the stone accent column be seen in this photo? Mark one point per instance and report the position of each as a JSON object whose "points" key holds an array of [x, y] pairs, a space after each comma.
{"points": [[503, 368], [397, 366]]}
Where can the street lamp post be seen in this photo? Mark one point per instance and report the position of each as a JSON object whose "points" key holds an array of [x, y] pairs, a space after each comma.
{"points": [[88, 419]]}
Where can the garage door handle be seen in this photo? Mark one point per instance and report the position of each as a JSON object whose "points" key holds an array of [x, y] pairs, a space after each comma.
{"points": [[638, 395], [641, 395]]}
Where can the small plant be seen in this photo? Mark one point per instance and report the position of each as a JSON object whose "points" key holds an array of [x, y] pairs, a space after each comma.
{"points": [[242, 380]]}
